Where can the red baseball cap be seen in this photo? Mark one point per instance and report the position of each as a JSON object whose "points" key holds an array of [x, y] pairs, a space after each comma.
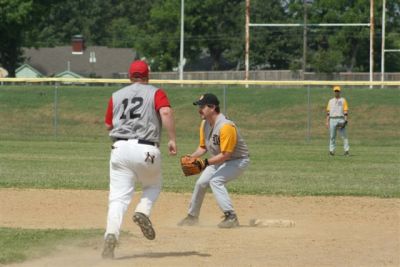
{"points": [[139, 69]]}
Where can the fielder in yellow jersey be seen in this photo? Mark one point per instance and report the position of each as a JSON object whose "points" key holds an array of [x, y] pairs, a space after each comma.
{"points": [[229, 157], [337, 112]]}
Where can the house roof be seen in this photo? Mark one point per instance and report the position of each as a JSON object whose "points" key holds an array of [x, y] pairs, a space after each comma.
{"points": [[27, 66], [68, 74], [109, 63]]}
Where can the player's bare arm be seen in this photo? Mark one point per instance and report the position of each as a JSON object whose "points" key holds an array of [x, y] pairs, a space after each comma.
{"points": [[167, 118], [200, 151], [327, 120], [109, 127]]}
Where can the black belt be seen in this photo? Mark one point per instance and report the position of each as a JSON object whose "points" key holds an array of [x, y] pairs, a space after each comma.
{"points": [[140, 141]]}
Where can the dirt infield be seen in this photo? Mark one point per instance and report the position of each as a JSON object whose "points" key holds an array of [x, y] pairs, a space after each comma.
{"points": [[328, 231]]}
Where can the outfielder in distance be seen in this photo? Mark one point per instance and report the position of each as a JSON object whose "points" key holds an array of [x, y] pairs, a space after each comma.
{"points": [[229, 158], [134, 117], [336, 119]]}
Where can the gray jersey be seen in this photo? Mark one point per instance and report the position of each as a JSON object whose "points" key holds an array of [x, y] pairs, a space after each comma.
{"points": [[212, 138], [134, 113], [337, 107]]}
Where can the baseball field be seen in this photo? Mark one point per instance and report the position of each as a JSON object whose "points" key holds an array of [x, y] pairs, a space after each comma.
{"points": [[54, 154]]}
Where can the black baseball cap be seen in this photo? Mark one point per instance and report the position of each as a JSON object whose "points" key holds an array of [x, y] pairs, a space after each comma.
{"points": [[207, 99]]}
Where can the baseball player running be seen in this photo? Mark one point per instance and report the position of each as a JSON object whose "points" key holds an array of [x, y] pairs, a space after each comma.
{"points": [[336, 119], [229, 158], [134, 118]]}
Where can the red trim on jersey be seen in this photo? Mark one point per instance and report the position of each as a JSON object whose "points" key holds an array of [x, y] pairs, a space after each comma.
{"points": [[161, 99], [109, 112]]}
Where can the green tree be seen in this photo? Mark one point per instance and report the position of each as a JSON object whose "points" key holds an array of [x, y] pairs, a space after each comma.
{"points": [[71, 17], [158, 39], [215, 28], [212, 28], [14, 20], [392, 40], [273, 47], [19, 27], [346, 47], [349, 43], [128, 23]]}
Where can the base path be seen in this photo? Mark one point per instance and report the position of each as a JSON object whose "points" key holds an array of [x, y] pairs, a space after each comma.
{"points": [[328, 231]]}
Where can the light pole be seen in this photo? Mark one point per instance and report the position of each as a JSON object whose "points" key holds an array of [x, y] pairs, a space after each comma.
{"points": [[181, 60], [371, 43], [247, 45], [383, 42], [304, 61]]}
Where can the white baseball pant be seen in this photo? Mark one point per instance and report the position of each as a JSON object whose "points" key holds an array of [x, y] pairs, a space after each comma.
{"points": [[131, 162]]}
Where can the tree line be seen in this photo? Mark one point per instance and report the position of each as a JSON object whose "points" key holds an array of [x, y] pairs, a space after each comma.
{"points": [[213, 28]]}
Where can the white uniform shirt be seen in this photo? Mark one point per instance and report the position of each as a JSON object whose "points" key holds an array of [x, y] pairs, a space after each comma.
{"points": [[337, 107]]}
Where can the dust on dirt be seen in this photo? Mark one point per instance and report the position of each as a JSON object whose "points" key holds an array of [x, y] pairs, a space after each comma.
{"points": [[328, 231]]}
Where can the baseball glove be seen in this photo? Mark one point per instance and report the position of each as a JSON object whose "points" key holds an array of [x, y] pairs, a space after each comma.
{"points": [[192, 166], [341, 125]]}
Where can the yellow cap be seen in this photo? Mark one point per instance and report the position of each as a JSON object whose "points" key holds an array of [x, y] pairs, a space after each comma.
{"points": [[336, 88]]}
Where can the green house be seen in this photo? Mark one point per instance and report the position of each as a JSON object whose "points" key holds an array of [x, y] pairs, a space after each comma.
{"points": [[68, 74], [27, 71]]}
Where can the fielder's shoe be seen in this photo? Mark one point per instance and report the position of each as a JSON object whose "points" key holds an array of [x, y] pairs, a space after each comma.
{"points": [[145, 225], [189, 220], [331, 153], [109, 245], [229, 221], [346, 153]]}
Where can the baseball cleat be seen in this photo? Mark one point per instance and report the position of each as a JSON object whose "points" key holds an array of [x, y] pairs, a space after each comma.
{"points": [[189, 220], [230, 220], [346, 153], [109, 245], [145, 225], [331, 153]]}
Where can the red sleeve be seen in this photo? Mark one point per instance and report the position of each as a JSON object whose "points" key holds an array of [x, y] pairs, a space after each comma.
{"points": [[109, 112], [161, 99]]}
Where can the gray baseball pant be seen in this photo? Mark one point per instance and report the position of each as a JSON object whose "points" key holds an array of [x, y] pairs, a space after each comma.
{"points": [[332, 132], [215, 177]]}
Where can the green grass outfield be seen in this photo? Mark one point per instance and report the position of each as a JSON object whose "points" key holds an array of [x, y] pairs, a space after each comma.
{"points": [[71, 150], [284, 159]]}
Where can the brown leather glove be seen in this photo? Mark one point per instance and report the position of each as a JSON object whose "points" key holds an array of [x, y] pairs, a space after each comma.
{"points": [[192, 166], [341, 125]]}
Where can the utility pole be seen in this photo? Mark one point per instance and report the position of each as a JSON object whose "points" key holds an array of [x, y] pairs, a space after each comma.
{"points": [[383, 41], [304, 61], [371, 44], [181, 63], [247, 47]]}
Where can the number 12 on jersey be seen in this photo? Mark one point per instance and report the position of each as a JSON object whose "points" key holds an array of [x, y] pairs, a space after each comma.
{"points": [[131, 107]]}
